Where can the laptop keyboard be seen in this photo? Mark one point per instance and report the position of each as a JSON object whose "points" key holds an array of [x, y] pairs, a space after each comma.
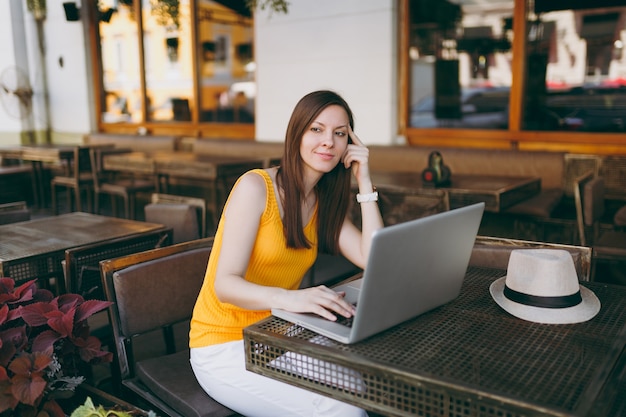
{"points": [[346, 321]]}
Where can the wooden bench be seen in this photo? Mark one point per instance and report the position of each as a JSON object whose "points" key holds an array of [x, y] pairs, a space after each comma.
{"points": [[269, 152], [546, 165], [141, 143]]}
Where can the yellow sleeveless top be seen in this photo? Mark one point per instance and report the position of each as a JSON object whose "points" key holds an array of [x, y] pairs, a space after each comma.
{"points": [[271, 263]]}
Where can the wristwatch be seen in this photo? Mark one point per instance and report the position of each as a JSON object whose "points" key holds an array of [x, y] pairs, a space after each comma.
{"points": [[364, 198]]}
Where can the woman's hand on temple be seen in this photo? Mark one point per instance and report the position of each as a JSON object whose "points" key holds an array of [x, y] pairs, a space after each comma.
{"points": [[357, 152]]}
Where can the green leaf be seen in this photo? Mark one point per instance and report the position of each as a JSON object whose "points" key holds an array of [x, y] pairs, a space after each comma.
{"points": [[90, 410]]}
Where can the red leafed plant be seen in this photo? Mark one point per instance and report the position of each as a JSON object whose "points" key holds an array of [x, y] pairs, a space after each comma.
{"points": [[44, 343]]}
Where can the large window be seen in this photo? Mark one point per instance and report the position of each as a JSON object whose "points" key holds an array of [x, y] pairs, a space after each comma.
{"points": [[460, 64], [168, 60], [506, 73], [182, 64], [226, 65], [576, 74], [121, 66]]}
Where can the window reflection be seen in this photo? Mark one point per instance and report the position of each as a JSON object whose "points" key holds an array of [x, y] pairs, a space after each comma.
{"points": [[223, 55], [460, 59], [226, 66], [120, 64], [168, 59], [576, 73]]}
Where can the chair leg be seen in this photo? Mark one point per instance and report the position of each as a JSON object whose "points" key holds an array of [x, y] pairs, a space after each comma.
{"points": [[79, 206], [89, 200], [592, 273], [53, 197], [69, 199], [113, 198], [96, 202], [127, 213]]}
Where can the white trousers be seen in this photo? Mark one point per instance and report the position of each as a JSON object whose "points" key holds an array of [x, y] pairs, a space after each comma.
{"points": [[221, 371]]}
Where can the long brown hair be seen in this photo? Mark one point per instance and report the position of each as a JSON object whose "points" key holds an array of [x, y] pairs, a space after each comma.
{"points": [[333, 189]]}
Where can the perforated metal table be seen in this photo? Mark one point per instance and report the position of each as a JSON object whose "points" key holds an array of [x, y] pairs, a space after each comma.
{"points": [[467, 358]]}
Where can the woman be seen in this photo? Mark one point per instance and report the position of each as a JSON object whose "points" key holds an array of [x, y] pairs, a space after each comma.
{"points": [[273, 224]]}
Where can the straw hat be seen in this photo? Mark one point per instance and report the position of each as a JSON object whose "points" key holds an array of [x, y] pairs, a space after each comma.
{"points": [[541, 285]]}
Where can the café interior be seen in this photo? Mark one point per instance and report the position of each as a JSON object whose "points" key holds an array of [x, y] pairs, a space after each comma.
{"points": [[520, 105]]}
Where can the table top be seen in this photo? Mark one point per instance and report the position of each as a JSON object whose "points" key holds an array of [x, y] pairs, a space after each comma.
{"points": [[459, 182], [43, 152], [497, 192], [57, 233], [468, 357], [180, 164]]}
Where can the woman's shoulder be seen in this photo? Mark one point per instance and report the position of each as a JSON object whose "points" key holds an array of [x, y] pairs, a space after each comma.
{"points": [[259, 175], [256, 181], [249, 194]]}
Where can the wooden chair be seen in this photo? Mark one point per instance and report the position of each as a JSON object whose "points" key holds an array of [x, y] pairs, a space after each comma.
{"points": [[14, 212], [81, 269], [151, 291], [612, 171], [77, 178], [185, 215], [609, 245], [82, 263], [106, 183]]}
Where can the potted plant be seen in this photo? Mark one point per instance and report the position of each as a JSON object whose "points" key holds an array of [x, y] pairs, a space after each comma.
{"points": [[45, 344], [88, 409]]}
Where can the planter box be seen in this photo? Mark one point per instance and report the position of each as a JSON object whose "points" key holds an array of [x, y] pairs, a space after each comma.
{"points": [[98, 397]]}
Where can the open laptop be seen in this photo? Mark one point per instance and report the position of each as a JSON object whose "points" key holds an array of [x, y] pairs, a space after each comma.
{"points": [[413, 267]]}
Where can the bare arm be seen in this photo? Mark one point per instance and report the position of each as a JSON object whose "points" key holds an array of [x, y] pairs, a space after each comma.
{"points": [[242, 215], [354, 244]]}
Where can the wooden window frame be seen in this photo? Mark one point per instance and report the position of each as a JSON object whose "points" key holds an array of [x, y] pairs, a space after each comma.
{"points": [[193, 128], [512, 138]]}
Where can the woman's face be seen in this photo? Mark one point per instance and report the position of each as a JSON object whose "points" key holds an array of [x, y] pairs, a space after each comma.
{"points": [[325, 140]]}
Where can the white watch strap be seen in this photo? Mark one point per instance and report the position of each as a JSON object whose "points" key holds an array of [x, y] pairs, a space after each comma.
{"points": [[364, 198]]}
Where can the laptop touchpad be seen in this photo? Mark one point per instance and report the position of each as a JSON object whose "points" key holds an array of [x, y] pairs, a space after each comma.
{"points": [[352, 290]]}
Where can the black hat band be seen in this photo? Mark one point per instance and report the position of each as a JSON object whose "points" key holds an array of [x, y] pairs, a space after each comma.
{"points": [[563, 301]]}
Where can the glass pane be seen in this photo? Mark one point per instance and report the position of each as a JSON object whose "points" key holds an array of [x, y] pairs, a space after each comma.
{"points": [[226, 62], [120, 63], [168, 59], [460, 63], [576, 72]]}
